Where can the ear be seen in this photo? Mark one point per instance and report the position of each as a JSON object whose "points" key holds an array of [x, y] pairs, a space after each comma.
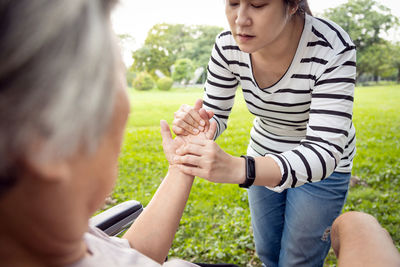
{"points": [[294, 9], [47, 169]]}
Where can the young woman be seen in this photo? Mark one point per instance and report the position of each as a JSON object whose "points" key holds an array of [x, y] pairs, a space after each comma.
{"points": [[297, 74]]}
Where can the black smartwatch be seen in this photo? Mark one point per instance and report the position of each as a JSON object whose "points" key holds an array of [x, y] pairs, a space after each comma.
{"points": [[250, 171]]}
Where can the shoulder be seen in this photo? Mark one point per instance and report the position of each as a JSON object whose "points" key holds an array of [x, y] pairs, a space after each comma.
{"points": [[228, 50], [336, 37], [111, 251], [225, 37]]}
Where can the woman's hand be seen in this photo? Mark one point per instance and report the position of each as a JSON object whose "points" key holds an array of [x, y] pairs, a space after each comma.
{"points": [[191, 120], [205, 159]]}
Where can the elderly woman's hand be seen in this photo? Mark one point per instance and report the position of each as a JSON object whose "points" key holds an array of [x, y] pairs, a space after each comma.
{"points": [[171, 145]]}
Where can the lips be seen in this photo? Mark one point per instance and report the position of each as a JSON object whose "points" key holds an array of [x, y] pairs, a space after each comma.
{"points": [[243, 37]]}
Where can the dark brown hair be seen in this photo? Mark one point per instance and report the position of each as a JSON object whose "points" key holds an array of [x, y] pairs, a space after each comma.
{"points": [[302, 5]]}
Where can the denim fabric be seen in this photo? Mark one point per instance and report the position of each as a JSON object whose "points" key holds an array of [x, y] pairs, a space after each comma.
{"points": [[292, 228]]}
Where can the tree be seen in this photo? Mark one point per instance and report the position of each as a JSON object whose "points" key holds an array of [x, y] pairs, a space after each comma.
{"points": [[165, 43], [183, 70], [364, 21], [148, 58], [199, 47], [376, 59], [125, 37], [395, 55]]}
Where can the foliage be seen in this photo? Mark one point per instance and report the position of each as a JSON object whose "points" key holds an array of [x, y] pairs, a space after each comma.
{"points": [[143, 82], [216, 223], [130, 76], [164, 83], [125, 37], [395, 52], [149, 59], [165, 43], [376, 59], [183, 70], [125, 40], [199, 47], [364, 21]]}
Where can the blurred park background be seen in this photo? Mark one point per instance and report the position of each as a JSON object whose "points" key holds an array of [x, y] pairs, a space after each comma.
{"points": [[168, 68]]}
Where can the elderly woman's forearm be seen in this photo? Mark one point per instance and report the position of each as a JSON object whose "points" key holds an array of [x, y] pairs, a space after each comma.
{"points": [[154, 230]]}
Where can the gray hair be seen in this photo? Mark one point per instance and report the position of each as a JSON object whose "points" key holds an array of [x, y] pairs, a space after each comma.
{"points": [[57, 78]]}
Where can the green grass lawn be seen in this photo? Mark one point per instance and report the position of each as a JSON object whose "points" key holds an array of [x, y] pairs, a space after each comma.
{"points": [[216, 223]]}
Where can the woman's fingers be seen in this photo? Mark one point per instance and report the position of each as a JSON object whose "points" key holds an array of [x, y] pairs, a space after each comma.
{"points": [[186, 113], [193, 117], [179, 131], [198, 104], [181, 127], [210, 114], [189, 120], [193, 160], [194, 148], [211, 131], [204, 115], [191, 170]]}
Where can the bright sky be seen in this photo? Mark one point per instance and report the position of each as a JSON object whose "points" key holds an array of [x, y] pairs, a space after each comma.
{"points": [[136, 17]]}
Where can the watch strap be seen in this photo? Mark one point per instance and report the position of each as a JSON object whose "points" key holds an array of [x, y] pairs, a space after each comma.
{"points": [[250, 171]]}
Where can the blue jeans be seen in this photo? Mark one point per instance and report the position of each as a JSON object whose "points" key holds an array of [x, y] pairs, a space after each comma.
{"points": [[292, 228]]}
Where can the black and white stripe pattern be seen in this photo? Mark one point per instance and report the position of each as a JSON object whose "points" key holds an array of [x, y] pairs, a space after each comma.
{"points": [[304, 121]]}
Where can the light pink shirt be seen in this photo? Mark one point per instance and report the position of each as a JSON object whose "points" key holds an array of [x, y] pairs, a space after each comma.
{"points": [[113, 251]]}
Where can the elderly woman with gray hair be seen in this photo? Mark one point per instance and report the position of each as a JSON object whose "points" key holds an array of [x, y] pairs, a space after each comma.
{"points": [[63, 109]]}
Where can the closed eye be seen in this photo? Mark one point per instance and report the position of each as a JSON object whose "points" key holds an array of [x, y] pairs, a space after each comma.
{"points": [[233, 3], [259, 6]]}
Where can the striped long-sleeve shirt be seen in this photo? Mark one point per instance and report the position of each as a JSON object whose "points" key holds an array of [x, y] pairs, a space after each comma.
{"points": [[303, 121]]}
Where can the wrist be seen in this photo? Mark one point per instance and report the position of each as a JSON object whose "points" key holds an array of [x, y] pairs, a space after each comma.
{"points": [[238, 170], [250, 171], [174, 170]]}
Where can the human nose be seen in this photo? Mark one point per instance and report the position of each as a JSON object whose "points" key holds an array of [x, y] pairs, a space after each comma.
{"points": [[242, 17]]}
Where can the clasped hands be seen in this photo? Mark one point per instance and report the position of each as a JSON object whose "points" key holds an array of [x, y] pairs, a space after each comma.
{"points": [[193, 150]]}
